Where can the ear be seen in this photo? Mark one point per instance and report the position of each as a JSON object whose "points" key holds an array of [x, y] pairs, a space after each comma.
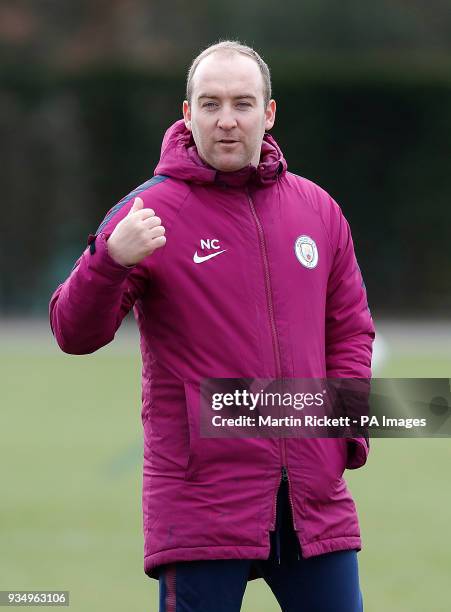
{"points": [[187, 114], [270, 115]]}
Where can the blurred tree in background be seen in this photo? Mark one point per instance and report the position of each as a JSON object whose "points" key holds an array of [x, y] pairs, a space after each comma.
{"points": [[72, 34], [363, 90]]}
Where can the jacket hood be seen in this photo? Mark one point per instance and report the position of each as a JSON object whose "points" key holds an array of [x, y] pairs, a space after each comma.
{"points": [[180, 159]]}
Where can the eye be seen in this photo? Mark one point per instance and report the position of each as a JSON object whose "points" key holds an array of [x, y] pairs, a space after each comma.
{"points": [[209, 105], [244, 104]]}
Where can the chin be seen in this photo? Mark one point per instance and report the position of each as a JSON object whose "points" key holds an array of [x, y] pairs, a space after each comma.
{"points": [[231, 166]]}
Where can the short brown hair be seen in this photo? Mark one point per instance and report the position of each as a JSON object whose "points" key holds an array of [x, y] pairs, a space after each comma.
{"points": [[232, 46]]}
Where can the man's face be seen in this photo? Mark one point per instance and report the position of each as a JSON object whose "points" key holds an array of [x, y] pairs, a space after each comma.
{"points": [[227, 116]]}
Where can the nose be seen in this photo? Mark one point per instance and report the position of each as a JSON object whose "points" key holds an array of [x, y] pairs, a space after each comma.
{"points": [[227, 120]]}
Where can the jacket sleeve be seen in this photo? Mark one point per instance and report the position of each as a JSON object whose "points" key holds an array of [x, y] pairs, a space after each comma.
{"points": [[349, 329], [87, 309]]}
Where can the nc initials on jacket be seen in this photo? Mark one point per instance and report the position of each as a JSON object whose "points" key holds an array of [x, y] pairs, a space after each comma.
{"points": [[209, 244]]}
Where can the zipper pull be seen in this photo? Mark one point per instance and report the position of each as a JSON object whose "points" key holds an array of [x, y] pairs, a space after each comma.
{"points": [[284, 474]]}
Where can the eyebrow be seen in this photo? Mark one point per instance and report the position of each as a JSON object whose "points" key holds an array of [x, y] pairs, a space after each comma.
{"points": [[239, 97]]}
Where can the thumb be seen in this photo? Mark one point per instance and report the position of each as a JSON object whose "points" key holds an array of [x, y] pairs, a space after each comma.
{"points": [[137, 205]]}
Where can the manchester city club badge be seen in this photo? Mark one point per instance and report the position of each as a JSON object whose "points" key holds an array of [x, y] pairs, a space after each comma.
{"points": [[306, 251]]}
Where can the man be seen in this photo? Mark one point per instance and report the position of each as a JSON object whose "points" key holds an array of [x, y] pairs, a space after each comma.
{"points": [[235, 268]]}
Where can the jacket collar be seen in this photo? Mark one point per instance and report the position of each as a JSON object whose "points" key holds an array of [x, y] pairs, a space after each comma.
{"points": [[180, 159]]}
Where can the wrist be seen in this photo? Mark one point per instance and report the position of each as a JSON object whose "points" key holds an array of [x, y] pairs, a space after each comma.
{"points": [[110, 249]]}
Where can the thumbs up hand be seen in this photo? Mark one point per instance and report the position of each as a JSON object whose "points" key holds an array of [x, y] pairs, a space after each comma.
{"points": [[138, 235]]}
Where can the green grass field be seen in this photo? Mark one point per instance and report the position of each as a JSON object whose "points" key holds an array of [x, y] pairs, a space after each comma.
{"points": [[70, 511]]}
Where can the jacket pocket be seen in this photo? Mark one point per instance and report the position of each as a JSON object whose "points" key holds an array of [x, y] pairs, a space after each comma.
{"points": [[212, 457], [192, 402], [357, 452], [322, 462]]}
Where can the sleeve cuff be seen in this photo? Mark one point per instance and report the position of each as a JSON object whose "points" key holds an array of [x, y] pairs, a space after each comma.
{"points": [[357, 453], [99, 259]]}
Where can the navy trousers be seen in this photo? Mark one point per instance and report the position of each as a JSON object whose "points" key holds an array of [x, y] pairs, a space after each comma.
{"points": [[325, 583]]}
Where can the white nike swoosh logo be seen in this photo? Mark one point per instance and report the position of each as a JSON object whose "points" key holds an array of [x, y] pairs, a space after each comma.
{"points": [[198, 259]]}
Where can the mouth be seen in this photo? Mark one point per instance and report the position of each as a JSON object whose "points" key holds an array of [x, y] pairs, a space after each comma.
{"points": [[227, 141]]}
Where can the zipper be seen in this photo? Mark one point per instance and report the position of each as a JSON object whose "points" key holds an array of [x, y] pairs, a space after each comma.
{"points": [[276, 348], [274, 509], [286, 478], [261, 236]]}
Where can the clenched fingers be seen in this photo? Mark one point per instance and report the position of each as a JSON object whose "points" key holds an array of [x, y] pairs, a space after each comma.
{"points": [[144, 213], [156, 232], [152, 222]]}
